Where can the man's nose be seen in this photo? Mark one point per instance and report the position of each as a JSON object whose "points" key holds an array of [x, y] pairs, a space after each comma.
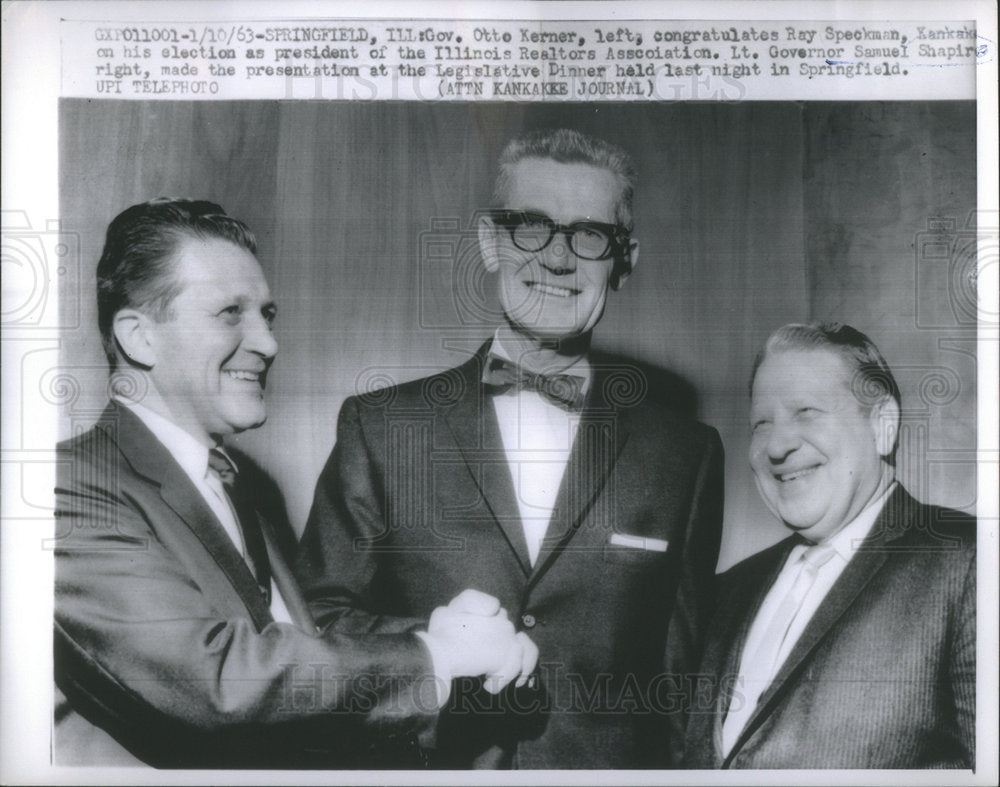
{"points": [[782, 440], [557, 257], [258, 337]]}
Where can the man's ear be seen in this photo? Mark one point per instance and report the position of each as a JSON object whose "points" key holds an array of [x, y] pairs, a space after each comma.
{"points": [[624, 265], [133, 334], [884, 421], [489, 243], [619, 277]]}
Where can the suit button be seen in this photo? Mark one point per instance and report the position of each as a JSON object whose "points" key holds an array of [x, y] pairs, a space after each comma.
{"points": [[528, 621]]}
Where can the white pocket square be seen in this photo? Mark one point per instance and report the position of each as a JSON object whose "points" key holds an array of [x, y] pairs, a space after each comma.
{"points": [[639, 542]]}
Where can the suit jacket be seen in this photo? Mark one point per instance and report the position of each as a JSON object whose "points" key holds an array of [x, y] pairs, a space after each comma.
{"points": [[883, 676], [417, 503], [165, 651]]}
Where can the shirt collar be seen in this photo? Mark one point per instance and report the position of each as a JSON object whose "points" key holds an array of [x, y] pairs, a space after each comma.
{"points": [[581, 368], [185, 448]]}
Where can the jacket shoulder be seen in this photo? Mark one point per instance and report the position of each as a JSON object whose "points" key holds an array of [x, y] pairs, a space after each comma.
{"points": [[100, 433], [638, 381], [955, 523], [442, 388], [944, 531], [657, 401], [91, 448], [908, 523]]}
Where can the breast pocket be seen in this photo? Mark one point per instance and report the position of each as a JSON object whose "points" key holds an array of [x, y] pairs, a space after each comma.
{"points": [[636, 557]]}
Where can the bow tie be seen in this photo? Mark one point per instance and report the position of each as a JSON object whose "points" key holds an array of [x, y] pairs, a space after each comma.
{"points": [[563, 390]]}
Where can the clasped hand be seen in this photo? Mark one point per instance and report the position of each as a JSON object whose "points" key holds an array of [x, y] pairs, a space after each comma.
{"points": [[475, 637]]}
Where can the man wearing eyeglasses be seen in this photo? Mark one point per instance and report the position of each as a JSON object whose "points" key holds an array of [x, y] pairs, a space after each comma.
{"points": [[549, 476]]}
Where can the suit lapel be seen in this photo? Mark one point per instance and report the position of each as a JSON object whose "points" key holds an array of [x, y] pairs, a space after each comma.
{"points": [[473, 425], [602, 435], [149, 458], [285, 582], [741, 607], [860, 571]]}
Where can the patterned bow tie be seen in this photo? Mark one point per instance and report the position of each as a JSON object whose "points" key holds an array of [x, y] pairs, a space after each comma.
{"points": [[563, 390]]}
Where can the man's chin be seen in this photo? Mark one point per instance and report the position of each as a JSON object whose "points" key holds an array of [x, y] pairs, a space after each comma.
{"points": [[548, 333], [790, 515], [802, 523], [246, 423]]}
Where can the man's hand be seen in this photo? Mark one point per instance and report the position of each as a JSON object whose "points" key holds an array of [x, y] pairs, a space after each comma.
{"points": [[474, 636], [521, 658]]}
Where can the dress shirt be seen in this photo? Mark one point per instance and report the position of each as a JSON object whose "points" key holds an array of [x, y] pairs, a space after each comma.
{"points": [[192, 456], [845, 544], [537, 439]]}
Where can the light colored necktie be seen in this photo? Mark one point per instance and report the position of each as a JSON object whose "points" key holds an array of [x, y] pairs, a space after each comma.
{"points": [[759, 669]]}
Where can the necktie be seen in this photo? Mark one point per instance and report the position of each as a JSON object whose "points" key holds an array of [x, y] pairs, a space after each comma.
{"points": [[253, 538], [563, 390], [759, 668]]}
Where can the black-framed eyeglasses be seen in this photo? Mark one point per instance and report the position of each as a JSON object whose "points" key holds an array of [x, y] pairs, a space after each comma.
{"points": [[589, 240]]}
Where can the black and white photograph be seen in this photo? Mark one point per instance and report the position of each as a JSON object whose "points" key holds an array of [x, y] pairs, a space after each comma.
{"points": [[564, 437]]}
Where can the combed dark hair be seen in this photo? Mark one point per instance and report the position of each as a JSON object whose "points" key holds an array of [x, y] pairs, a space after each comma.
{"points": [[570, 147], [136, 269], [873, 381]]}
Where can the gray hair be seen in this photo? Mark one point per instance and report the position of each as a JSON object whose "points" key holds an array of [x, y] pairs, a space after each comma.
{"points": [[570, 147]]}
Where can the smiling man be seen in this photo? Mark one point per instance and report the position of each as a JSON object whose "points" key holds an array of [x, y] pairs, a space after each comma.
{"points": [[181, 638], [549, 476], [853, 642]]}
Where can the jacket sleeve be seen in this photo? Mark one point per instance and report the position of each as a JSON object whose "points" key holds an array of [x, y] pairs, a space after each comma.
{"points": [[694, 604], [962, 664], [135, 634], [337, 564]]}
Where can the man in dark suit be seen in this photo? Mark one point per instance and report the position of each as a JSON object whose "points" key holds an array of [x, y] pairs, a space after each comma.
{"points": [[181, 638], [852, 643], [553, 478]]}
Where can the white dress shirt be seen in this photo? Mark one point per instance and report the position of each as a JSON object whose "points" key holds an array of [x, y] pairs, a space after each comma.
{"points": [[192, 456], [844, 544], [537, 439]]}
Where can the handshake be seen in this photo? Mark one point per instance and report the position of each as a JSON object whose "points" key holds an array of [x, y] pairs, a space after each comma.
{"points": [[473, 636]]}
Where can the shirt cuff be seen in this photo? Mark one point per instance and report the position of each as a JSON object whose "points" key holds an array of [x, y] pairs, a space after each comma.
{"points": [[439, 662]]}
